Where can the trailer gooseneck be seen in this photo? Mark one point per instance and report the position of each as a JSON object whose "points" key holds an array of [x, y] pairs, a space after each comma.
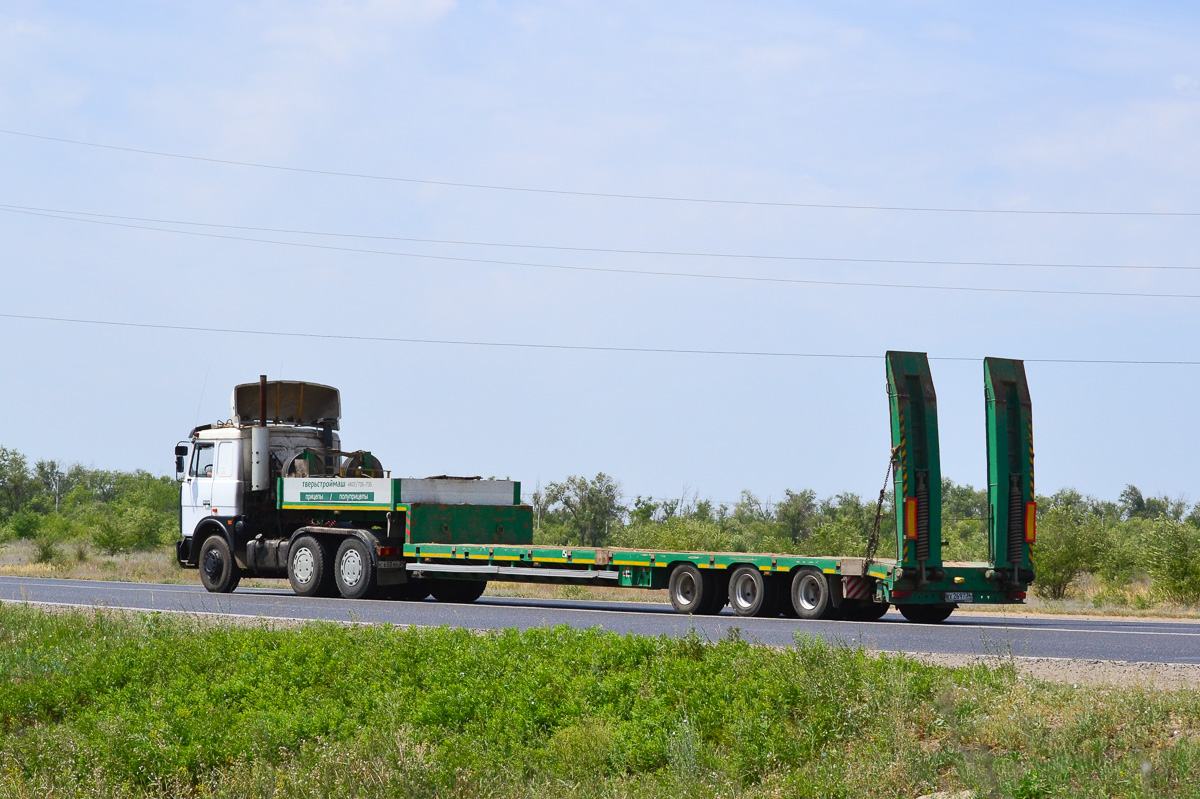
{"points": [[272, 494]]}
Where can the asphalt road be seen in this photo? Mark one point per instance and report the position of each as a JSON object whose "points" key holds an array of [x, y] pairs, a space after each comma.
{"points": [[980, 634]]}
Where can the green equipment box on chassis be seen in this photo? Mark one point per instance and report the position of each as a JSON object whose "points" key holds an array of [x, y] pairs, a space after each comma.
{"points": [[272, 494]]}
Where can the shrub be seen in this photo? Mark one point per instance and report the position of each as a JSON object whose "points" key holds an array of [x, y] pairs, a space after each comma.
{"points": [[1070, 542], [108, 536], [24, 524], [841, 536], [126, 528], [1173, 559]]}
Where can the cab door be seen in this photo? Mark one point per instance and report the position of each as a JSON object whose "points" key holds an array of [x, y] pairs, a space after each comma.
{"points": [[196, 492], [226, 493]]}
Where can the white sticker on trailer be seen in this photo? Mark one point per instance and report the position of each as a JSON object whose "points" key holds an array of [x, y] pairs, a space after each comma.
{"points": [[337, 491]]}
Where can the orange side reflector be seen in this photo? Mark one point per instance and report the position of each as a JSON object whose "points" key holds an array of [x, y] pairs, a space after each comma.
{"points": [[910, 517], [1030, 522]]}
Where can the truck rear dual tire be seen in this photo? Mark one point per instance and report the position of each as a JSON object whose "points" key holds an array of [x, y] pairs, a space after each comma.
{"points": [[219, 572], [694, 591], [353, 571], [310, 567]]}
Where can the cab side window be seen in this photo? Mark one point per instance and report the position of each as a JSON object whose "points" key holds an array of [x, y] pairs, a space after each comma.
{"points": [[225, 457], [202, 461]]}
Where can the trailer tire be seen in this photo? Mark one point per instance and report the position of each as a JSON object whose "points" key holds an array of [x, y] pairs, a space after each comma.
{"points": [[810, 595], [863, 609], [415, 590], [783, 596], [353, 571], [750, 594], [926, 614], [309, 567], [464, 591], [219, 571], [718, 598], [691, 590]]}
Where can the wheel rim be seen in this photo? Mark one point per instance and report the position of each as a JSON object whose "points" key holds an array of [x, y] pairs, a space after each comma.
{"points": [[303, 564], [685, 588], [745, 591], [214, 564], [351, 567], [810, 593]]}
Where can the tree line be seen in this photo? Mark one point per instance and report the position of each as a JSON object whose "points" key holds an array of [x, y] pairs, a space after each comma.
{"points": [[1113, 545], [55, 504]]}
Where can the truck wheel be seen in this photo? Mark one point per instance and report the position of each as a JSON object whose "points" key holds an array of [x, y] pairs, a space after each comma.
{"points": [[219, 572], [309, 568], [464, 591], [810, 595], [863, 609], [926, 614], [750, 594], [353, 572], [690, 590]]}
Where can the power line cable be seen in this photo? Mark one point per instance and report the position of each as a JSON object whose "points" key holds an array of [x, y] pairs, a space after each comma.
{"points": [[571, 347], [619, 271], [602, 250], [600, 194]]}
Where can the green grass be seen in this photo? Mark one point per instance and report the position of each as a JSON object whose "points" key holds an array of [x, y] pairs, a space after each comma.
{"points": [[99, 704]]}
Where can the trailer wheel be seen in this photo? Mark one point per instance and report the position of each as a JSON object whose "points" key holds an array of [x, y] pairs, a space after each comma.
{"points": [[783, 596], [309, 569], [718, 597], [926, 614], [750, 594], [464, 591], [415, 590], [863, 609], [690, 590], [810, 595], [353, 572], [219, 572]]}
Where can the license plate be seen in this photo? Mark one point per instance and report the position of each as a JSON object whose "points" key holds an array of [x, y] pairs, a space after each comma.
{"points": [[960, 596]]}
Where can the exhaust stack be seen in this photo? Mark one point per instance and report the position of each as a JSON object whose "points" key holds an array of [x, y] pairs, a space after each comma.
{"points": [[260, 443]]}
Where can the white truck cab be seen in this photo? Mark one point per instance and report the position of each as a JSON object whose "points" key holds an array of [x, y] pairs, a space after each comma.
{"points": [[277, 428]]}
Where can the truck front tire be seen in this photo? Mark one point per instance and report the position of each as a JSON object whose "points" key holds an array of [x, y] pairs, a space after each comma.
{"points": [[219, 572], [352, 570], [310, 570]]}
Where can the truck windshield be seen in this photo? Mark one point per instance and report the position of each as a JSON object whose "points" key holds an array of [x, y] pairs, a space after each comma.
{"points": [[202, 461]]}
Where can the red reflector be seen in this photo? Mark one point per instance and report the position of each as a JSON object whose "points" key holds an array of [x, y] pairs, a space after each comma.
{"points": [[910, 517], [387, 552], [1016, 595], [1030, 522], [901, 594]]}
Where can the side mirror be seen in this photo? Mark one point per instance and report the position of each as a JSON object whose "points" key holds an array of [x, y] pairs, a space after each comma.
{"points": [[179, 465], [181, 450]]}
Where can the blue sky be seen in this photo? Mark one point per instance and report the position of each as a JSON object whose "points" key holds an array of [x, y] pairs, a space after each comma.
{"points": [[1020, 106]]}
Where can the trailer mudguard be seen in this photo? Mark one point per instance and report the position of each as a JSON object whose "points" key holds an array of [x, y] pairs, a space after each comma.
{"points": [[918, 471]]}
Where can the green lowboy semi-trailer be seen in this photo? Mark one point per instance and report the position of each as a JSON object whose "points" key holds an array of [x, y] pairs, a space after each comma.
{"points": [[271, 493]]}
